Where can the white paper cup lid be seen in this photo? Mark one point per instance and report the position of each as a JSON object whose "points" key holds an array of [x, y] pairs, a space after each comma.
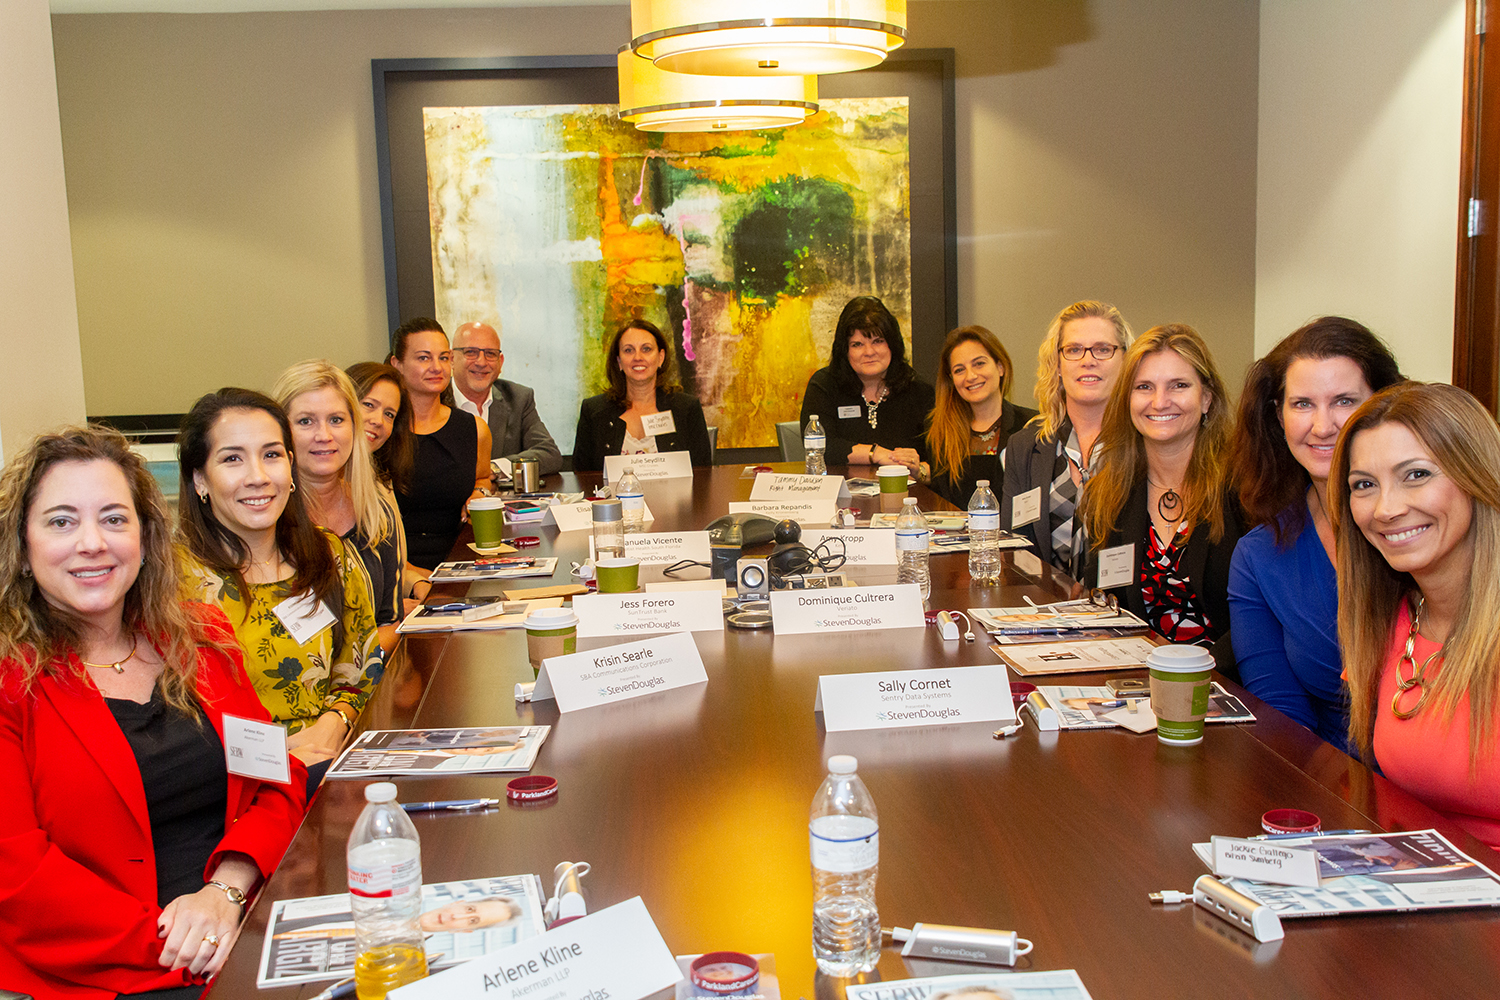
{"points": [[486, 503], [614, 562], [1180, 659], [551, 618], [892, 470]]}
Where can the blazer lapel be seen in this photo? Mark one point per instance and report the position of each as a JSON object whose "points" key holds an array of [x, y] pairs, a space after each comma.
{"points": [[1043, 456], [499, 419], [85, 713]]}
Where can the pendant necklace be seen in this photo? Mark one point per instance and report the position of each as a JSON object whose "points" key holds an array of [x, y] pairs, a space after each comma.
{"points": [[1169, 504], [119, 665]]}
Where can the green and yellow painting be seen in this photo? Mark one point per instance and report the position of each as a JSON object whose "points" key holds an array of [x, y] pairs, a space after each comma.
{"points": [[559, 223]]}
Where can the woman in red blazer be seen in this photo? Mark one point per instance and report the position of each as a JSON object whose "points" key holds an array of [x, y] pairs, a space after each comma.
{"points": [[126, 848]]}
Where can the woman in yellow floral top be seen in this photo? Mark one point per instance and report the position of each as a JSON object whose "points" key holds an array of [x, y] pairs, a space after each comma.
{"points": [[297, 596]]}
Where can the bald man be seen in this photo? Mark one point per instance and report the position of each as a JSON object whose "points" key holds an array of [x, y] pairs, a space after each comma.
{"points": [[516, 429]]}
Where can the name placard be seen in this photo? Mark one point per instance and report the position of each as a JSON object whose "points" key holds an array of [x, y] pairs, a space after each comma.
{"points": [[1265, 861], [803, 512], [862, 546], [795, 486], [663, 465], [664, 548], [614, 954], [619, 673], [616, 615], [580, 516], [846, 609], [897, 698]]}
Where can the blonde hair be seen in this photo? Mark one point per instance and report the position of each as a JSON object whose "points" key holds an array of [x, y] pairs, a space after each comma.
{"points": [[948, 436], [358, 474], [1465, 443], [36, 636], [1052, 404], [1122, 453]]}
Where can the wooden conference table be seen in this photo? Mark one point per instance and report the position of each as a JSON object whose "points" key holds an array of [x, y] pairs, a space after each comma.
{"points": [[697, 800]]}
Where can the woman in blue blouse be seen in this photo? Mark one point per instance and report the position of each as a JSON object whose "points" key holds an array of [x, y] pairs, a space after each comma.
{"points": [[1283, 597]]}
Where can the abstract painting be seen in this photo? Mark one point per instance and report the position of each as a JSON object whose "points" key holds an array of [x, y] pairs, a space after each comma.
{"points": [[561, 223]]}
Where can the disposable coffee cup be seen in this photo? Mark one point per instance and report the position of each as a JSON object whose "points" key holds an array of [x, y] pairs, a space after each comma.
{"points": [[1179, 692], [487, 517], [617, 575], [892, 487], [528, 475], [550, 632]]}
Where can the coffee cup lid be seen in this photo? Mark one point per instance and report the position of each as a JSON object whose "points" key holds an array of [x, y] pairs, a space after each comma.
{"points": [[614, 561], [550, 618], [892, 470], [1180, 659], [486, 503]]}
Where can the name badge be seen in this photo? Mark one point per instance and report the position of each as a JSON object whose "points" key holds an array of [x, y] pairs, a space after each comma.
{"points": [[304, 617], [861, 546], [254, 749], [658, 423], [617, 615], [898, 698], [663, 465], [1116, 567], [618, 673], [1265, 861], [848, 412], [846, 609], [1026, 508]]}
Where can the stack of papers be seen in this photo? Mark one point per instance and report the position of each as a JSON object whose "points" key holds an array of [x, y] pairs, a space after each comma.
{"points": [[475, 750], [469, 571]]}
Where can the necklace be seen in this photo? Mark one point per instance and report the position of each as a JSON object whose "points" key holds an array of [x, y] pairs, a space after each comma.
{"points": [[119, 665], [873, 405], [1418, 677], [1169, 504]]}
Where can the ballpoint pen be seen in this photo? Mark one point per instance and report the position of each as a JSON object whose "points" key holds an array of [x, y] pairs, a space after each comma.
{"points": [[1302, 836], [452, 805], [1033, 630]]}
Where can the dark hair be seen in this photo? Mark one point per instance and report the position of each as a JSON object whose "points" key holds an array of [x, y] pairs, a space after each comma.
{"points": [[394, 459], [666, 375], [417, 324], [948, 426], [1271, 482], [300, 542], [869, 315]]}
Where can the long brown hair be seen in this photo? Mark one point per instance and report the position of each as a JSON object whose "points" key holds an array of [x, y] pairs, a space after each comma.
{"points": [[1271, 483], [1122, 453], [1052, 403], [394, 459], [1463, 440], [35, 636], [948, 435]]}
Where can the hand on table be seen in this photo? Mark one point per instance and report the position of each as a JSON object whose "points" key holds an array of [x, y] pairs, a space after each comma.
{"points": [[319, 741], [199, 929]]}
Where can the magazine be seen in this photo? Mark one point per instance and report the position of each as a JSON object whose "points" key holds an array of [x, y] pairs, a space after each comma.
{"points": [[1375, 872], [468, 571], [1086, 707], [312, 940], [1070, 619], [495, 612], [478, 750], [1067, 657], [1062, 984]]}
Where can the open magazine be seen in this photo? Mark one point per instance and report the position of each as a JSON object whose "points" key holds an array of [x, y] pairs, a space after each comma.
{"points": [[475, 613], [1063, 984], [499, 568], [476, 750], [1375, 872], [312, 940], [1086, 707]]}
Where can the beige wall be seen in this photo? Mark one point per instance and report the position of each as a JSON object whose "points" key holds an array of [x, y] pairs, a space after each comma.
{"points": [[1361, 107], [221, 174]]}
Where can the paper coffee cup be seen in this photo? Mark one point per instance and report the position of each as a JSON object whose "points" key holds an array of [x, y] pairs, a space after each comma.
{"points": [[892, 487], [618, 575], [1179, 692], [487, 517], [550, 632]]}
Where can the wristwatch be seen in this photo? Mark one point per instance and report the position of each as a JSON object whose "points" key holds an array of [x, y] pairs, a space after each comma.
{"points": [[236, 895]]}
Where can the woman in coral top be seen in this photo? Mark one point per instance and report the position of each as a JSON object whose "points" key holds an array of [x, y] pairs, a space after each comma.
{"points": [[1416, 480]]}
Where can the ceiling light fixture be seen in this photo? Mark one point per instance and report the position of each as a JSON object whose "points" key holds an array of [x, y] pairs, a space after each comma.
{"points": [[655, 101]]}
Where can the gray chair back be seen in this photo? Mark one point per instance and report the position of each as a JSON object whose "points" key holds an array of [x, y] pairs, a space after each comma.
{"points": [[789, 436]]}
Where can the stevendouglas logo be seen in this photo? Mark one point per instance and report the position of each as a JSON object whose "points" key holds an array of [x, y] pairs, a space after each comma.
{"points": [[639, 684], [919, 713]]}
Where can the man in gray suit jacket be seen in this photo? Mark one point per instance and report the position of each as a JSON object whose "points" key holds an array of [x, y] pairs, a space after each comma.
{"points": [[510, 409]]}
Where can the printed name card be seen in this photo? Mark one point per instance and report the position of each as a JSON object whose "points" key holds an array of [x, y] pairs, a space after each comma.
{"points": [[794, 486], [664, 548], [846, 608], [616, 615], [665, 465], [802, 511], [862, 546], [254, 749], [1265, 861], [619, 673], [614, 954], [580, 516], [897, 698]]}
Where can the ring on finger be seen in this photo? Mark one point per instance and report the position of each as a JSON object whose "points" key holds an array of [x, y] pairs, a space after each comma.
{"points": [[212, 939]]}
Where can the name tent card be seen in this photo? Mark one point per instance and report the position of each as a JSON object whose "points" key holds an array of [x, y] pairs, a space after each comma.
{"points": [[846, 609], [1265, 861], [614, 954], [1116, 567], [663, 548], [818, 512], [895, 699], [664, 465], [580, 516], [862, 546], [618, 673], [254, 749], [617, 615], [795, 486]]}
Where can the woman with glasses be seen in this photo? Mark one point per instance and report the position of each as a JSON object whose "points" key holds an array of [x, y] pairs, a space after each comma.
{"points": [[1048, 460], [972, 419]]}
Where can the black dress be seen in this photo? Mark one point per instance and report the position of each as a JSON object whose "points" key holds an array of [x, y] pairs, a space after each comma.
{"points": [[442, 481], [901, 419]]}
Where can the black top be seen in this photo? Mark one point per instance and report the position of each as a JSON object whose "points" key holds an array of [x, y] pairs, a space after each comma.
{"points": [[601, 430], [442, 481], [383, 564], [958, 492], [1031, 463], [901, 419], [187, 789]]}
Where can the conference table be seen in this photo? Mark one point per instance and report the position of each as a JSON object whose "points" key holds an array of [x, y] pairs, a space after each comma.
{"points": [[696, 799]]}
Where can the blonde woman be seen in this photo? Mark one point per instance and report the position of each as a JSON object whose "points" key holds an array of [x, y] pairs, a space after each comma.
{"points": [[339, 483], [1415, 491], [1049, 460], [1160, 493], [973, 417]]}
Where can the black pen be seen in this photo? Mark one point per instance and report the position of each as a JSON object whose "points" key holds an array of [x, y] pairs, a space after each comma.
{"points": [[1033, 630], [455, 805]]}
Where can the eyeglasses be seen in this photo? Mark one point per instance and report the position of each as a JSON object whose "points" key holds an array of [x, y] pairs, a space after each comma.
{"points": [[1101, 352], [474, 353]]}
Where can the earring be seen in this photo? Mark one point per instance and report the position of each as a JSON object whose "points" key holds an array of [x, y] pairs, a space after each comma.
{"points": [[203, 497], [294, 486], [26, 571]]}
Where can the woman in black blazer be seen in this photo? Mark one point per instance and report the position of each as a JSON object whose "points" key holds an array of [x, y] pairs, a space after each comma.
{"points": [[641, 384]]}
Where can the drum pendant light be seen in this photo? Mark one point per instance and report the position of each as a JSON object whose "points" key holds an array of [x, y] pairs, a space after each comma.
{"points": [[655, 101]]}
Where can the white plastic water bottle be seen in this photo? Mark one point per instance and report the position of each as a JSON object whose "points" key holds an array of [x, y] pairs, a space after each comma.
{"points": [[815, 443], [912, 536], [845, 841], [984, 535], [385, 892], [632, 501]]}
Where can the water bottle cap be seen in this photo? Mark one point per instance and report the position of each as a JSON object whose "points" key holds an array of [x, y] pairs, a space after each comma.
{"points": [[909, 501], [982, 482], [380, 791], [841, 763]]}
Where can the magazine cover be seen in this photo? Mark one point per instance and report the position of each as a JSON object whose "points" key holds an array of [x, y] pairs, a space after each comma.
{"points": [[1065, 656], [481, 750], [1067, 616], [1086, 707], [497, 612], [1371, 873], [312, 940], [469, 570], [1062, 984]]}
